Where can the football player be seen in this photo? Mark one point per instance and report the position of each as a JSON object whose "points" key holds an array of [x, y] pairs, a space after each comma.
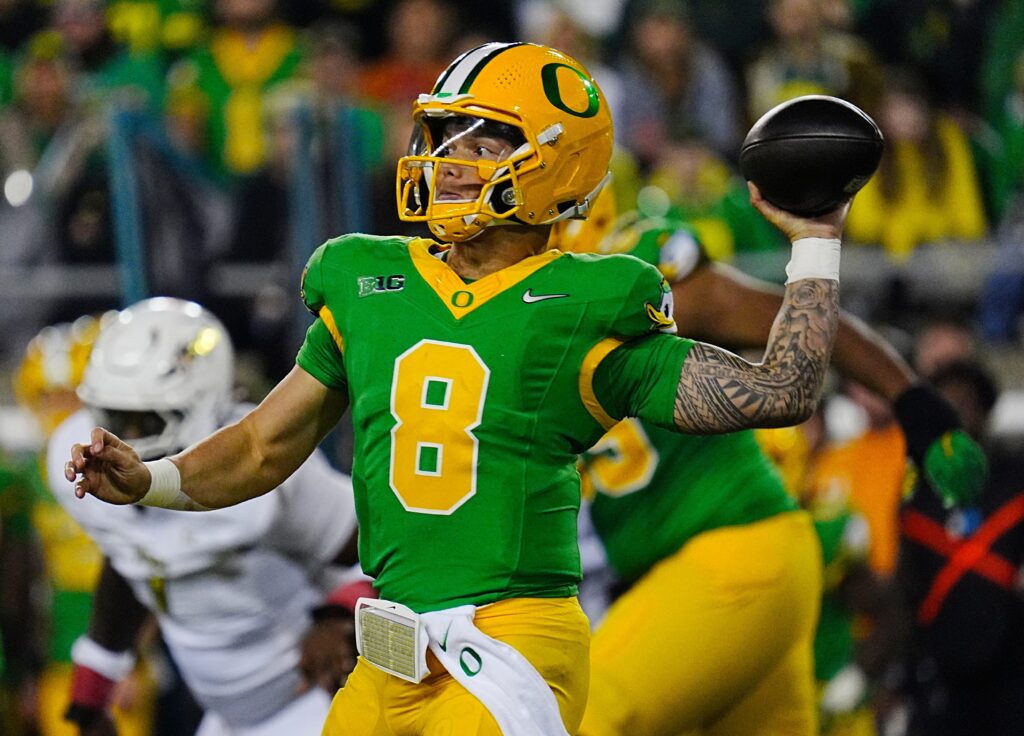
{"points": [[477, 368], [231, 590], [710, 516]]}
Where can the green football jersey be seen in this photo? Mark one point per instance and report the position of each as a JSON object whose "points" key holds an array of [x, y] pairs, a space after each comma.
{"points": [[470, 404], [656, 489]]}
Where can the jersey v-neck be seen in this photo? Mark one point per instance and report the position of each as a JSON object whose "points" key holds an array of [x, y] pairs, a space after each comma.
{"points": [[460, 296]]}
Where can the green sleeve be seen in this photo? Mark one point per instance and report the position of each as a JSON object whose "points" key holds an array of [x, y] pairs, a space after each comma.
{"points": [[311, 289], [320, 354], [320, 357], [640, 378]]}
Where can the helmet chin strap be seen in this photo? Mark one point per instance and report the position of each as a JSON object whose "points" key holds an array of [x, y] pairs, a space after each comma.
{"points": [[580, 211]]}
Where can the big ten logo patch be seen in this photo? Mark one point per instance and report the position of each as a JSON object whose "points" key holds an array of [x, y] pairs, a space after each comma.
{"points": [[377, 284]]}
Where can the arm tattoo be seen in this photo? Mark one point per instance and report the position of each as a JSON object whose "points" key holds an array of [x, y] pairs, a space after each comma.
{"points": [[720, 392]]}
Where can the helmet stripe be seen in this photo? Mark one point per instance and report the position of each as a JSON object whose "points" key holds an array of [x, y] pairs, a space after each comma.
{"points": [[460, 75]]}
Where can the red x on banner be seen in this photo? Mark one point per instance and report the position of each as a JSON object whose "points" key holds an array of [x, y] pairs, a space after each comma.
{"points": [[968, 554]]}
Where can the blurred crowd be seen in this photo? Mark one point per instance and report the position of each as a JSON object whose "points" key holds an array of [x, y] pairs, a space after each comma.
{"points": [[203, 149], [172, 136]]}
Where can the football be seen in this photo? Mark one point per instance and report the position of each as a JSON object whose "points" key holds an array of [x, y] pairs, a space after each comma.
{"points": [[811, 153]]}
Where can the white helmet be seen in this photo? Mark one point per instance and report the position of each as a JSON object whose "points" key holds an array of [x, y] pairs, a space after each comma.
{"points": [[160, 376]]}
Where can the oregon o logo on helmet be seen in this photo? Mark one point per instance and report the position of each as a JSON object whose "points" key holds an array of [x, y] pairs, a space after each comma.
{"points": [[549, 76], [473, 664]]}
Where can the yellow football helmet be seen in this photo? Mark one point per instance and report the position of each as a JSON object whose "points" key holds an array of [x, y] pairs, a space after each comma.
{"points": [[561, 159], [54, 362]]}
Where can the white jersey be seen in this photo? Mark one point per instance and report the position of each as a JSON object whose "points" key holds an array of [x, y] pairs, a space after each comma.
{"points": [[231, 588]]}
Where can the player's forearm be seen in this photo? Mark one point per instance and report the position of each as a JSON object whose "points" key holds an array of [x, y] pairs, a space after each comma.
{"points": [[862, 355], [720, 392], [255, 455], [227, 468]]}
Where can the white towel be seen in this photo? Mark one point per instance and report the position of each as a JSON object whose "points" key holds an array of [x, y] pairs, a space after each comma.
{"points": [[495, 673]]}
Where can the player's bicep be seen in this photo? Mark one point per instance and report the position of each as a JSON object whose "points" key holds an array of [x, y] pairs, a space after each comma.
{"points": [[639, 379]]}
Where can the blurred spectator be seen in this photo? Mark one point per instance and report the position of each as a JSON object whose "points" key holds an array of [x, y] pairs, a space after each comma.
{"points": [[868, 474], [419, 37], [846, 660], [940, 341], [106, 73], [704, 191], [1002, 84], [216, 94], [343, 137], [679, 88], [961, 571], [926, 188], [52, 162], [552, 25], [1001, 305], [152, 26], [860, 626], [732, 28], [809, 55], [942, 39]]}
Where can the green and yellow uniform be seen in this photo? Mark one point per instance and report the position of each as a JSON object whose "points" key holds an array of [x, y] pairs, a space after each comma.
{"points": [[228, 81], [470, 403], [716, 632]]}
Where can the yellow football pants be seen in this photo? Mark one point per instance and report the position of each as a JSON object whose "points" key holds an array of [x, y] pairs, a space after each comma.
{"points": [[552, 633], [716, 639]]}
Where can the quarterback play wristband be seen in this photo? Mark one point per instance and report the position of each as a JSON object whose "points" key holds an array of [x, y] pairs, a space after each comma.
{"points": [[814, 258], [90, 689], [165, 488], [112, 665], [97, 671]]}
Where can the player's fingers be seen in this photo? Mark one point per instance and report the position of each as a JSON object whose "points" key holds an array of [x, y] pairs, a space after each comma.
{"points": [[100, 439], [80, 455]]}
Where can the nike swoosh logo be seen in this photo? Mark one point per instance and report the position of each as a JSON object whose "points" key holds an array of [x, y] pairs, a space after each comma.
{"points": [[444, 642], [529, 297]]}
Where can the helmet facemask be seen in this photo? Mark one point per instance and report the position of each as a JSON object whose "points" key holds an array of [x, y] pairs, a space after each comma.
{"points": [[420, 190]]}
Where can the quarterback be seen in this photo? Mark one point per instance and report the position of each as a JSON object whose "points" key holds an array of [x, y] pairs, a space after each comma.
{"points": [[477, 368]]}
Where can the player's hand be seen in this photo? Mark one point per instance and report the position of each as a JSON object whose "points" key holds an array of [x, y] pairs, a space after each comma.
{"points": [[952, 463], [328, 652], [794, 227], [108, 469]]}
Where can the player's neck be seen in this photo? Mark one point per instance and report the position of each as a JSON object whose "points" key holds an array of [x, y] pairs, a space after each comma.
{"points": [[496, 248]]}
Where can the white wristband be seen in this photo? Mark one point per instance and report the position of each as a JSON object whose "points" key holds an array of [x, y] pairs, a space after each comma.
{"points": [[165, 488], [814, 258], [113, 665]]}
